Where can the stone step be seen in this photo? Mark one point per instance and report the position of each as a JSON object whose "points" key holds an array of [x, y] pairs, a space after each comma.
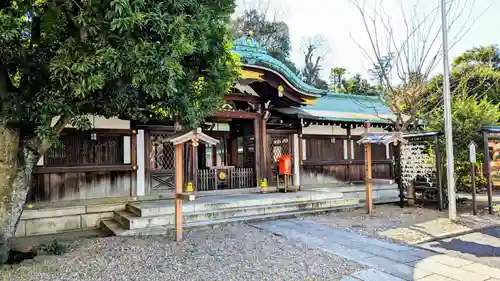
{"points": [[166, 207], [129, 220], [114, 228]]}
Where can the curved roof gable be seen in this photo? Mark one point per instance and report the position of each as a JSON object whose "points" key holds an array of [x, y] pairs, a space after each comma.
{"points": [[254, 55], [344, 107]]}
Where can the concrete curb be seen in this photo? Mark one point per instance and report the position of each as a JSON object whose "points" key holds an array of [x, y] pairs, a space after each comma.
{"points": [[452, 235]]}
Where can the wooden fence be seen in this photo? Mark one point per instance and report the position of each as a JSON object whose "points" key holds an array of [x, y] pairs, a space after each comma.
{"points": [[85, 165], [217, 178]]}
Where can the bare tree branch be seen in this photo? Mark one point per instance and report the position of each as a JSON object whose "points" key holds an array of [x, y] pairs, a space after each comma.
{"points": [[414, 49]]}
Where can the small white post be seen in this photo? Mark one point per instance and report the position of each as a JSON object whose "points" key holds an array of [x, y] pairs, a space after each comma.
{"points": [[141, 164], [296, 164], [127, 152]]}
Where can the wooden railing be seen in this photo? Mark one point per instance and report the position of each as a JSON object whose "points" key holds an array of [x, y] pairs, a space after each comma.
{"points": [[227, 177]]}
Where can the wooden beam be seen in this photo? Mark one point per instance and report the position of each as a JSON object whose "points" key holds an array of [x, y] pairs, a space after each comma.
{"points": [[178, 190], [105, 132], [342, 162], [85, 169], [236, 114], [240, 97], [185, 196]]}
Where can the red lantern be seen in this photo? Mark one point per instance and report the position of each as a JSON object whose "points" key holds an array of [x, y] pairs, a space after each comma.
{"points": [[285, 165]]}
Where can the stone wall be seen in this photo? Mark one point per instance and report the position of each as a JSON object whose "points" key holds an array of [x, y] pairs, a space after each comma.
{"points": [[61, 219], [380, 192]]}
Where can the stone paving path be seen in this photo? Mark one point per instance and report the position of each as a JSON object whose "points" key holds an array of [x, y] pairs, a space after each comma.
{"points": [[481, 246], [387, 261]]}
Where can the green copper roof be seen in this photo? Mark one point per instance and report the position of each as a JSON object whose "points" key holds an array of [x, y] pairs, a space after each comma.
{"points": [[343, 107], [252, 54]]}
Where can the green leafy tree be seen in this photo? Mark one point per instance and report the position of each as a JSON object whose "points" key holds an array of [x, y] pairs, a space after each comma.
{"points": [[272, 34], [468, 116], [337, 79], [355, 84], [138, 59], [475, 73]]}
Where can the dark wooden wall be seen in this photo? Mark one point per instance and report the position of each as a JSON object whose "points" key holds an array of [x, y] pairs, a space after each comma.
{"points": [[79, 167], [328, 162]]}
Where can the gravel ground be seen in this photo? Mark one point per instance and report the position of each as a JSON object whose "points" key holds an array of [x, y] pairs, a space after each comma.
{"points": [[384, 217], [225, 253]]}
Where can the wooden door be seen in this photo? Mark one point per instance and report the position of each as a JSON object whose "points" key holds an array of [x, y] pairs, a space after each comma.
{"points": [[161, 163]]}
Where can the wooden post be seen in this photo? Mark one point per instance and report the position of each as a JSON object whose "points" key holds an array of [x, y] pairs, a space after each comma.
{"points": [[368, 172], [487, 165], [265, 147], [133, 159], [194, 180], [234, 144], [438, 173], [368, 177], [257, 149], [299, 138], [398, 174], [178, 189], [349, 152]]}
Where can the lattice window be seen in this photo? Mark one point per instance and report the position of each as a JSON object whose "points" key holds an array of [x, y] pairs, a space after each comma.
{"points": [[79, 149], [279, 145], [162, 154]]}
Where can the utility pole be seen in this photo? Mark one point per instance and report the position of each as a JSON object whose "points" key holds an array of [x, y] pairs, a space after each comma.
{"points": [[450, 165]]}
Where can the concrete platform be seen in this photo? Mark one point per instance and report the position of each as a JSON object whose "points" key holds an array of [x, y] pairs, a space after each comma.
{"points": [[148, 218], [82, 215]]}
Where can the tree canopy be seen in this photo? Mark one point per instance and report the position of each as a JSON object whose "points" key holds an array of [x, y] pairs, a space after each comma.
{"points": [[475, 73], [64, 59], [355, 84], [274, 35]]}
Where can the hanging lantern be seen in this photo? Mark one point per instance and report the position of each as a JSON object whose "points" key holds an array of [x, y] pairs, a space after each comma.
{"points": [[281, 89]]}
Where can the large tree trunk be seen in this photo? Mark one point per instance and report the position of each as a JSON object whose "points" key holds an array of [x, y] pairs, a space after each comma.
{"points": [[17, 162]]}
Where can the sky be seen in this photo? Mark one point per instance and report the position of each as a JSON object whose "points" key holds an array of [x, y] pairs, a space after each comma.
{"points": [[341, 24]]}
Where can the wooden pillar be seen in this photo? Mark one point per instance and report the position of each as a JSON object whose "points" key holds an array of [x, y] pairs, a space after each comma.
{"points": [[234, 144], [398, 172], [257, 149], [178, 189], [133, 159], [265, 149], [487, 169], [368, 177], [300, 156], [438, 172], [368, 173], [349, 152], [194, 180]]}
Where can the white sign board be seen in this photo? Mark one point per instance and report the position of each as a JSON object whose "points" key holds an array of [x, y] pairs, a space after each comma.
{"points": [[472, 152]]}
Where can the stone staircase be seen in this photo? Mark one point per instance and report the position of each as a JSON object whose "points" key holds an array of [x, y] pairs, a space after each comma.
{"points": [[157, 217]]}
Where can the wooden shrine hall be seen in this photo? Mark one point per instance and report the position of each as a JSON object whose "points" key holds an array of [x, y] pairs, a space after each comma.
{"points": [[270, 112]]}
